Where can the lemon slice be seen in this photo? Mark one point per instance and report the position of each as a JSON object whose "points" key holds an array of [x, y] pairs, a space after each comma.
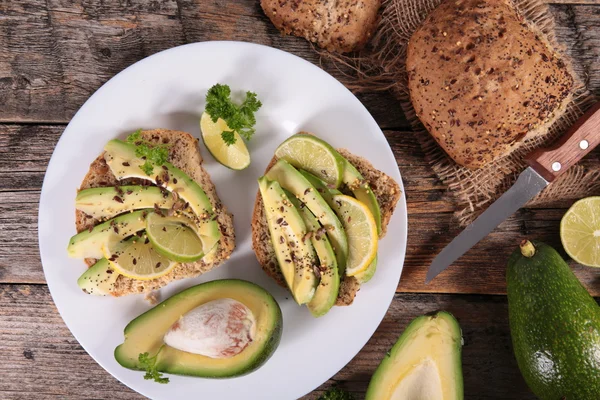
{"points": [[136, 258], [361, 230], [314, 155], [235, 156], [580, 231], [174, 237]]}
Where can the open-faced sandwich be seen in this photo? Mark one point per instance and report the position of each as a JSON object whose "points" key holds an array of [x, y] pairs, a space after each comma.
{"points": [[317, 219], [147, 214]]}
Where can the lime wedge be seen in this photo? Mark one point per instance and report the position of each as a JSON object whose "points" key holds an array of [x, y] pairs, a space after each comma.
{"points": [[361, 231], [580, 231], [314, 155], [174, 237], [235, 156], [136, 258]]}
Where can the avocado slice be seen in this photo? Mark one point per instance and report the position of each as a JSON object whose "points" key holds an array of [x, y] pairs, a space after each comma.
{"points": [[554, 324], [367, 274], [293, 181], [361, 190], [325, 191], [99, 279], [120, 157], [296, 256], [145, 333], [356, 184], [106, 202], [328, 193], [88, 244], [329, 284], [424, 364]]}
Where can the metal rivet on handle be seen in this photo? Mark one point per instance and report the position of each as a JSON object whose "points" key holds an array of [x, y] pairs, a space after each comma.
{"points": [[584, 144], [556, 166]]}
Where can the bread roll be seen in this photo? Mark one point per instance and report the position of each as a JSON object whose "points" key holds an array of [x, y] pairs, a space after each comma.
{"points": [[482, 80], [341, 26]]}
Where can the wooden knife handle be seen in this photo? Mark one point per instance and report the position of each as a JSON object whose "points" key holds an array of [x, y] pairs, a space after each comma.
{"points": [[578, 141]]}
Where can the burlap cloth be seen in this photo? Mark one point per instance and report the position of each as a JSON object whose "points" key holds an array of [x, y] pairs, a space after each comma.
{"points": [[383, 67]]}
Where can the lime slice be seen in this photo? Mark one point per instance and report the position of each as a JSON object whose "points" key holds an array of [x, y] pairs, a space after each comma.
{"points": [[580, 231], [136, 258], [235, 156], [174, 237], [314, 155], [361, 230]]}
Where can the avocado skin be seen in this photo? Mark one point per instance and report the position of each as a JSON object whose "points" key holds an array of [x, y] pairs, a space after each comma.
{"points": [[555, 327]]}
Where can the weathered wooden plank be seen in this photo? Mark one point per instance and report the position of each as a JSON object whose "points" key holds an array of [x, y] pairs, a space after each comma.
{"points": [[482, 269], [431, 225], [578, 30], [50, 67], [42, 360]]}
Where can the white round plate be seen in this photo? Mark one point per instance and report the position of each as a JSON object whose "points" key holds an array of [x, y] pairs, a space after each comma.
{"points": [[167, 90]]}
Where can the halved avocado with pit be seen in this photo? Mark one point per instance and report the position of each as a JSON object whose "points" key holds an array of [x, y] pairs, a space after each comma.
{"points": [[424, 364], [146, 332]]}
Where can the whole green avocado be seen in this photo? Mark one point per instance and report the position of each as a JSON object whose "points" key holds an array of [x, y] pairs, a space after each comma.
{"points": [[555, 325]]}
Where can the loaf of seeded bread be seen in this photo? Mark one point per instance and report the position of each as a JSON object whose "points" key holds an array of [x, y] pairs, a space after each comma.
{"points": [[482, 80], [341, 26], [385, 189], [185, 155]]}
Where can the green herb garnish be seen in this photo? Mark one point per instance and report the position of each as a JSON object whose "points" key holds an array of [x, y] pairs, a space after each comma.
{"points": [[239, 118], [149, 364], [335, 393], [228, 137], [155, 155]]}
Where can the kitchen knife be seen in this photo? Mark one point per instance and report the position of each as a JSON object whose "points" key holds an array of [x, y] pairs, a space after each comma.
{"points": [[545, 165]]}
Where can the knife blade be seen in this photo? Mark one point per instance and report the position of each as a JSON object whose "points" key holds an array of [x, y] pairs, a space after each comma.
{"points": [[545, 165]]}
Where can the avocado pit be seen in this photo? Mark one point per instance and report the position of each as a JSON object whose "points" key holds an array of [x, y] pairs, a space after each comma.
{"points": [[219, 328]]}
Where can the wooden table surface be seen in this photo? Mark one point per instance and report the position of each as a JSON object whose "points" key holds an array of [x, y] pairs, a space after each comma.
{"points": [[54, 54]]}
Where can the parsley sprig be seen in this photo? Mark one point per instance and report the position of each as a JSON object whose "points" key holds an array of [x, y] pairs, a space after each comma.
{"points": [[336, 393], [239, 118], [155, 155], [149, 364]]}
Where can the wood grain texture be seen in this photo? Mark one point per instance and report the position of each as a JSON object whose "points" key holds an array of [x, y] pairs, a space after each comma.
{"points": [[55, 54], [431, 224], [573, 145], [42, 360]]}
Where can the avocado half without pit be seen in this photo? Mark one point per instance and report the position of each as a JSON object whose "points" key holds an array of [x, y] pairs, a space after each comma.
{"points": [[219, 329]]}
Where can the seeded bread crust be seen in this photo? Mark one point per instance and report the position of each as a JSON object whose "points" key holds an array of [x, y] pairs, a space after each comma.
{"points": [[385, 189], [482, 80], [340, 26], [184, 153]]}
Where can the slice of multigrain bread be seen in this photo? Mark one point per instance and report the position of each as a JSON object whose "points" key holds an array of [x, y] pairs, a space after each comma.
{"points": [[184, 153], [387, 192]]}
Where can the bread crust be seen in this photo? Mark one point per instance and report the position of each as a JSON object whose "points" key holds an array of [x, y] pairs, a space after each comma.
{"points": [[341, 26], [385, 189], [482, 80], [184, 153]]}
